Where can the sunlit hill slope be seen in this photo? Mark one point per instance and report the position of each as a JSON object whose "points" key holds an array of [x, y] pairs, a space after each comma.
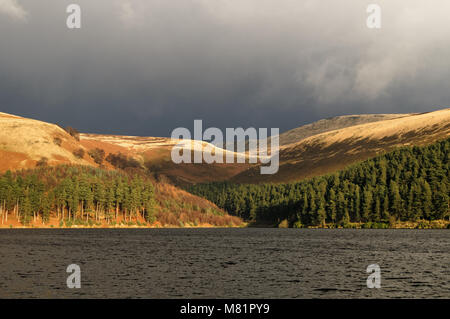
{"points": [[29, 146], [333, 150]]}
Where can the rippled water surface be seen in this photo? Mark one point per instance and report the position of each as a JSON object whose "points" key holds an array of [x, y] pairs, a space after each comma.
{"points": [[224, 263]]}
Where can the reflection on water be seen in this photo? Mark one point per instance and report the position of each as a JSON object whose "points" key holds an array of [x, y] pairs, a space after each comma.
{"points": [[224, 263]]}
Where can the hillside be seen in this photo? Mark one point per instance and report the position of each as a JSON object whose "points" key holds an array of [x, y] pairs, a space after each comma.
{"points": [[23, 142], [80, 196], [408, 187], [317, 148], [330, 124], [154, 153], [334, 150], [30, 147], [335, 123], [314, 149]]}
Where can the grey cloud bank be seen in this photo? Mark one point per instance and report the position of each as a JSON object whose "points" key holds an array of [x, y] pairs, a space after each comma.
{"points": [[145, 67]]}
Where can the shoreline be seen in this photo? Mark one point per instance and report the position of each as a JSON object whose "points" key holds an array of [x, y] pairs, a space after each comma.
{"points": [[55, 223], [397, 227], [121, 226]]}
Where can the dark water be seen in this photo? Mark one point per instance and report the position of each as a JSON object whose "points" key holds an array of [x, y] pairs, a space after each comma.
{"points": [[225, 263]]}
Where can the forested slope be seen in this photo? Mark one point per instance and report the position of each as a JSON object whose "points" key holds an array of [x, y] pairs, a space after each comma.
{"points": [[408, 184], [87, 196]]}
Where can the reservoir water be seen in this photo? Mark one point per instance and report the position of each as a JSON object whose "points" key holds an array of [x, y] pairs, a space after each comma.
{"points": [[224, 263]]}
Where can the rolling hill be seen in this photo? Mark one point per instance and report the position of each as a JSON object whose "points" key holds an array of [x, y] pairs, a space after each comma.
{"points": [[404, 188], [315, 149], [155, 153], [335, 123], [24, 143], [333, 150]]}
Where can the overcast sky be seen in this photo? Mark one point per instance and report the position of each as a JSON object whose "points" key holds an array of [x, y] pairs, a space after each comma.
{"points": [[145, 67]]}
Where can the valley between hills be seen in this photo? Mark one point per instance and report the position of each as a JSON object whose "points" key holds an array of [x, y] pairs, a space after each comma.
{"points": [[58, 177]]}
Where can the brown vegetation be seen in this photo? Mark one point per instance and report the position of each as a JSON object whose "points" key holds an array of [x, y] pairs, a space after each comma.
{"points": [[78, 153], [122, 161], [98, 155], [42, 162], [73, 132], [57, 141]]}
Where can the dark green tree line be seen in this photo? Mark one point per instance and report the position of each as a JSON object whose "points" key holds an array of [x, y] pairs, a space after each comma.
{"points": [[409, 183], [75, 192]]}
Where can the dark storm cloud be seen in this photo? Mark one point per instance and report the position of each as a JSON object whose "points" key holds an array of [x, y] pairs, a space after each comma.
{"points": [[144, 67]]}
